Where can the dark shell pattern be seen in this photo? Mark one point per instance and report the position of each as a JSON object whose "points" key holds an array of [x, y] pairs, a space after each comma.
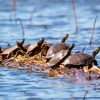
{"points": [[57, 57], [78, 59], [56, 48]]}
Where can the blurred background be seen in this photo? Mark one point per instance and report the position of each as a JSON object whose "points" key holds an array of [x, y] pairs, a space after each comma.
{"points": [[51, 19]]}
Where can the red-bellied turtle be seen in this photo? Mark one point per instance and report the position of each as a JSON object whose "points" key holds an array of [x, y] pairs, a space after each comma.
{"points": [[59, 57], [11, 51], [81, 59], [57, 47]]}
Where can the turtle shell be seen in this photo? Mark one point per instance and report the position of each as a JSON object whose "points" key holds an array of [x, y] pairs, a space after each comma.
{"points": [[31, 47], [35, 48], [9, 50], [57, 57], [78, 59], [55, 48]]}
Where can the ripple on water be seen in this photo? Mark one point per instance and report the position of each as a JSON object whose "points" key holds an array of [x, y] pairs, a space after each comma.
{"points": [[52, 18]]}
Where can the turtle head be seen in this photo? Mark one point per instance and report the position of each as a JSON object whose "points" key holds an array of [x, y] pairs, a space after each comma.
{"points": [[22, 41], [40, 42], [71, 47], [20, 46], [96, 51], [64, 38]]}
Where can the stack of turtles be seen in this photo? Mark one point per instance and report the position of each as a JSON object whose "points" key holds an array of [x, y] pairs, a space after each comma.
{"points": [[76, 60], [57, 47], [55, 54]]}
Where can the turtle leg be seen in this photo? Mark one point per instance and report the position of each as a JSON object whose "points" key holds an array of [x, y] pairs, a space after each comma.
{"points": [[89, 66], [47, 60], [9, 55], [30, 54], [17, 53], [95, 62], [40, 56]]}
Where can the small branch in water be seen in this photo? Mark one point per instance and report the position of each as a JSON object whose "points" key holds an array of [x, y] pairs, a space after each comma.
{"points": [[31, 16], [23, 32], [85, 95], [93, 30], [13, 10], [84, 48], [75, 17]]}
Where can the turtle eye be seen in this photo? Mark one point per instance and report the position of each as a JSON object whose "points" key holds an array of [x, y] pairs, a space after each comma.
{"points": [[41, 41]]}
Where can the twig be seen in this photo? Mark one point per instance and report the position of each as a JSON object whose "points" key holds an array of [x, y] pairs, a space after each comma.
{"points": [[93, 30], [20, 20], [31, 16], [75, 17], [84, 48], [85, 95]]}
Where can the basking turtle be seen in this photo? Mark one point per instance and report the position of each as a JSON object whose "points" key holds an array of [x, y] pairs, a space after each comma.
{"points": [[57, 47], [11, 51], [81, 59], [59, 57], [22, 49], [34, 49]]}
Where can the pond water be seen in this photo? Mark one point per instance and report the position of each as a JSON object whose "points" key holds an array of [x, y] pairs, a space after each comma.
{"points": [[50, 19]]}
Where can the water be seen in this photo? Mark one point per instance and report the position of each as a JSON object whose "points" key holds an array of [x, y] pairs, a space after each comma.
{"points": [[51, 19]]}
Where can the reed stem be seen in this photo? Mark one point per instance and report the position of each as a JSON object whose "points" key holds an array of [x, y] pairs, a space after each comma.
{"points": [[13, 10], [75, 16], [22, 28], [93, 30], [85, 95]]}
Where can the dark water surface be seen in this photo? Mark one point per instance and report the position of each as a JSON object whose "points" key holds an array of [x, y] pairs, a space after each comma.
{"points": [[51, 19]]}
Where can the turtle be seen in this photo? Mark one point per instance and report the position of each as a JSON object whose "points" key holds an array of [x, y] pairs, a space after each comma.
{"points": [[59, 57], [81, 59], [57, 47], [32, 49], [22, 49], [11, 51]]}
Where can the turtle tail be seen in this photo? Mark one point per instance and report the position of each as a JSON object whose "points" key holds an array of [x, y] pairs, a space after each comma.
{"points": [[96, 51], [64, 38]]}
